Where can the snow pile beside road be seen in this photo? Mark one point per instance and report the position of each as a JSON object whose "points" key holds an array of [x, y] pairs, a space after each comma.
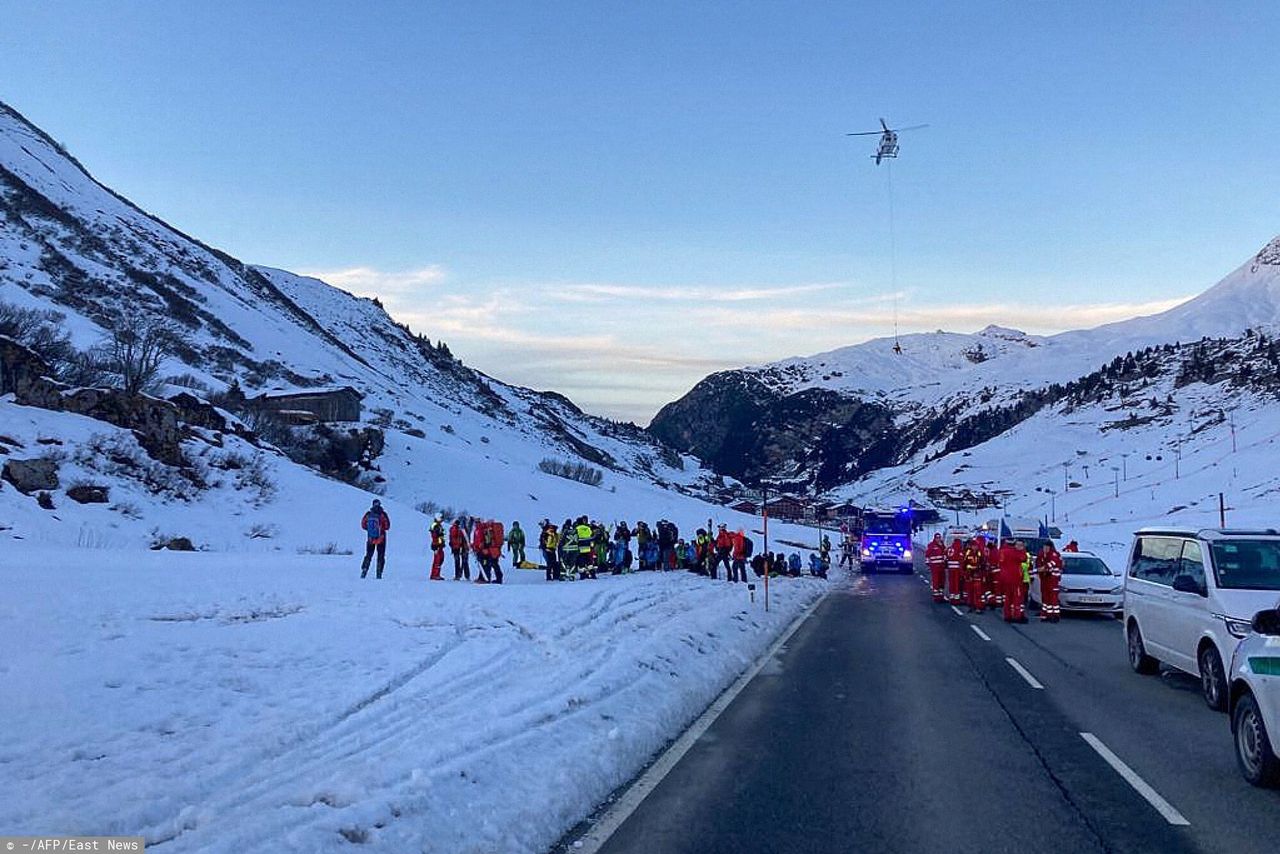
{"points": [[223, 703]]}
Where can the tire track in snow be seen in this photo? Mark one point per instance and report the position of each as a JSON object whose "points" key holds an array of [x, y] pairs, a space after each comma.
{"points": [[390, 725]]}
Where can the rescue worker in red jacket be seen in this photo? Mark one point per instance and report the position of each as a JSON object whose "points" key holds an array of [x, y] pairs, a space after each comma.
{"points": [[375, 523], [1013, 569], [955, 570], [935, 557], [975, 561], [437, 548], [1049, 568], [458, 548], [995, 594], [738, 569], [487, 545], [724, 547], [1072, 546]]}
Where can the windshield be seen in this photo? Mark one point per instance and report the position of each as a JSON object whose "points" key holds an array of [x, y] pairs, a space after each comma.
{"points": [[1085, 566], [1032, 544], [884, 526], [1247, 564]]}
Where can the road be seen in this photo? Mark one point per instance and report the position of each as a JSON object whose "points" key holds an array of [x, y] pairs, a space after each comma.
{"points": [[888, 724]]}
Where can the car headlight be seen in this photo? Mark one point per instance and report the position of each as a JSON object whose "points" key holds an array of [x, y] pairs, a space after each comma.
{"points": [[907, 554], [1238, 628], [866, 551]]}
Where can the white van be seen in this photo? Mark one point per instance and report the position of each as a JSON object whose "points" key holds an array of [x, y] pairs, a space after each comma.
{"points": [[1190, 596]]}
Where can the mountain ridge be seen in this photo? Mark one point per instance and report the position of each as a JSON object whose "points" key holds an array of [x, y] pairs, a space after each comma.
{"points": [[939, 378]]}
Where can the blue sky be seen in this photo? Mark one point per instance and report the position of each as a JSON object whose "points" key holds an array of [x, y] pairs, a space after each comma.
{"points": [[612, 199]]}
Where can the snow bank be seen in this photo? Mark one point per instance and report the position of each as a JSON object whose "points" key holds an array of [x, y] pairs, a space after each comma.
{"points": [[217, 702]]}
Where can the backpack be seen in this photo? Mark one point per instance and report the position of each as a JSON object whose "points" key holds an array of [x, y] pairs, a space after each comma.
{"points": [[748, 547], [373, 525]]}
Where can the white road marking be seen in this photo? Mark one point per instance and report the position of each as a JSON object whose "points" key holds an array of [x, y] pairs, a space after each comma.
{"points": [[980, 632], [959, 613], [1141, 786], [1025, 674], [613, 818]]}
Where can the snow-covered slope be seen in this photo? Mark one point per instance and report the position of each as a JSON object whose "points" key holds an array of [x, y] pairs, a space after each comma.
{"points": [[454, 436]]}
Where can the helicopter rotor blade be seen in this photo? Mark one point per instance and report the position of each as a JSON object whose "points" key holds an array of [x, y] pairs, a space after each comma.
{"points": [[883, 125], [913, 127], [866, 133]]}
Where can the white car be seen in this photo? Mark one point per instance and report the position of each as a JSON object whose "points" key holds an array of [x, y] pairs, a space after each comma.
{"points": [[1255, 701], [1190, 596], [1088, 584]]}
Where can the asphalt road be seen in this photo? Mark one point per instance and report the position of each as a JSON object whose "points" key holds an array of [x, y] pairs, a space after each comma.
{"points": [[888, 724]]}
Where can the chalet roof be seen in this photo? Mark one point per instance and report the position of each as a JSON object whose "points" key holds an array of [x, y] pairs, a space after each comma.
{"points": [[317, 391]]}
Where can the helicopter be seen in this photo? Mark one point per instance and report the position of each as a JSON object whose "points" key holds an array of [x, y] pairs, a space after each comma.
{"points": [[888, 146]]}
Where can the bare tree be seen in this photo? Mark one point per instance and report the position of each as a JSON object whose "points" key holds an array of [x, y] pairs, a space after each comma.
{"points": [[136, 349]]}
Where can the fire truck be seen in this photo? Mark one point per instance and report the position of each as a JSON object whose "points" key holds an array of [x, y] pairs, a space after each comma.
{"points": [[886, 540]]}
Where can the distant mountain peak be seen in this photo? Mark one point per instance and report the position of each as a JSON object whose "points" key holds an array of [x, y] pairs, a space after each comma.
{"points": [[1006, 333], [1270, 254]]}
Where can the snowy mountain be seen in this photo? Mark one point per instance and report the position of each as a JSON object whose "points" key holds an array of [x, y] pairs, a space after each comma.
{"points": [[85, 260], [830, 419]]}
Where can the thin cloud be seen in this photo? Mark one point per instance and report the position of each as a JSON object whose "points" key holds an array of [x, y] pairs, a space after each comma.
{"points": [[625, 350], [369, 281], [1030, 318], [701, 293]]}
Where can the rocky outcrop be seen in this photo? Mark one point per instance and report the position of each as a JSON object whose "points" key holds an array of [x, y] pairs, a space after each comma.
{"points": [[27, 376], [88, 494], [173, 544], [197, 412], [815, 438], [338, 452], [153, 421], [28, 476]]}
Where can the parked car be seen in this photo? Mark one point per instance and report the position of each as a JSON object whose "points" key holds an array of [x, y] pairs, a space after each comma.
{"points": [[1190, 596], [1255, 700], [1088, 584]]}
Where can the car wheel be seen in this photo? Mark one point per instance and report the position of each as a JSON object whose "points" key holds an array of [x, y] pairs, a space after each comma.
{"points": [[1257, 761], [1213, 679], [1138, 658]]}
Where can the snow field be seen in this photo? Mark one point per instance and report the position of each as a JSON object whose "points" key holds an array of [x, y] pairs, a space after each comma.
{"points": [[212, 702]]}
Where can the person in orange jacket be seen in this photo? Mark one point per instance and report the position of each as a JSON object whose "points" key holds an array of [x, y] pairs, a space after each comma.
{"points": [[935, 557], [1049, 568], [1013, 574], [975, 564], [955, 570], [1072, 546]]}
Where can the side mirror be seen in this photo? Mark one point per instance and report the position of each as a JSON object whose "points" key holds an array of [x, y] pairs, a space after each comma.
{"points": [[1188, 584], [1267, 622]]}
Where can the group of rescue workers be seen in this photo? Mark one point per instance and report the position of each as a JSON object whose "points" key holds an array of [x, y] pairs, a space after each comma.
{"points": [[985, 574], [583, 548]]}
